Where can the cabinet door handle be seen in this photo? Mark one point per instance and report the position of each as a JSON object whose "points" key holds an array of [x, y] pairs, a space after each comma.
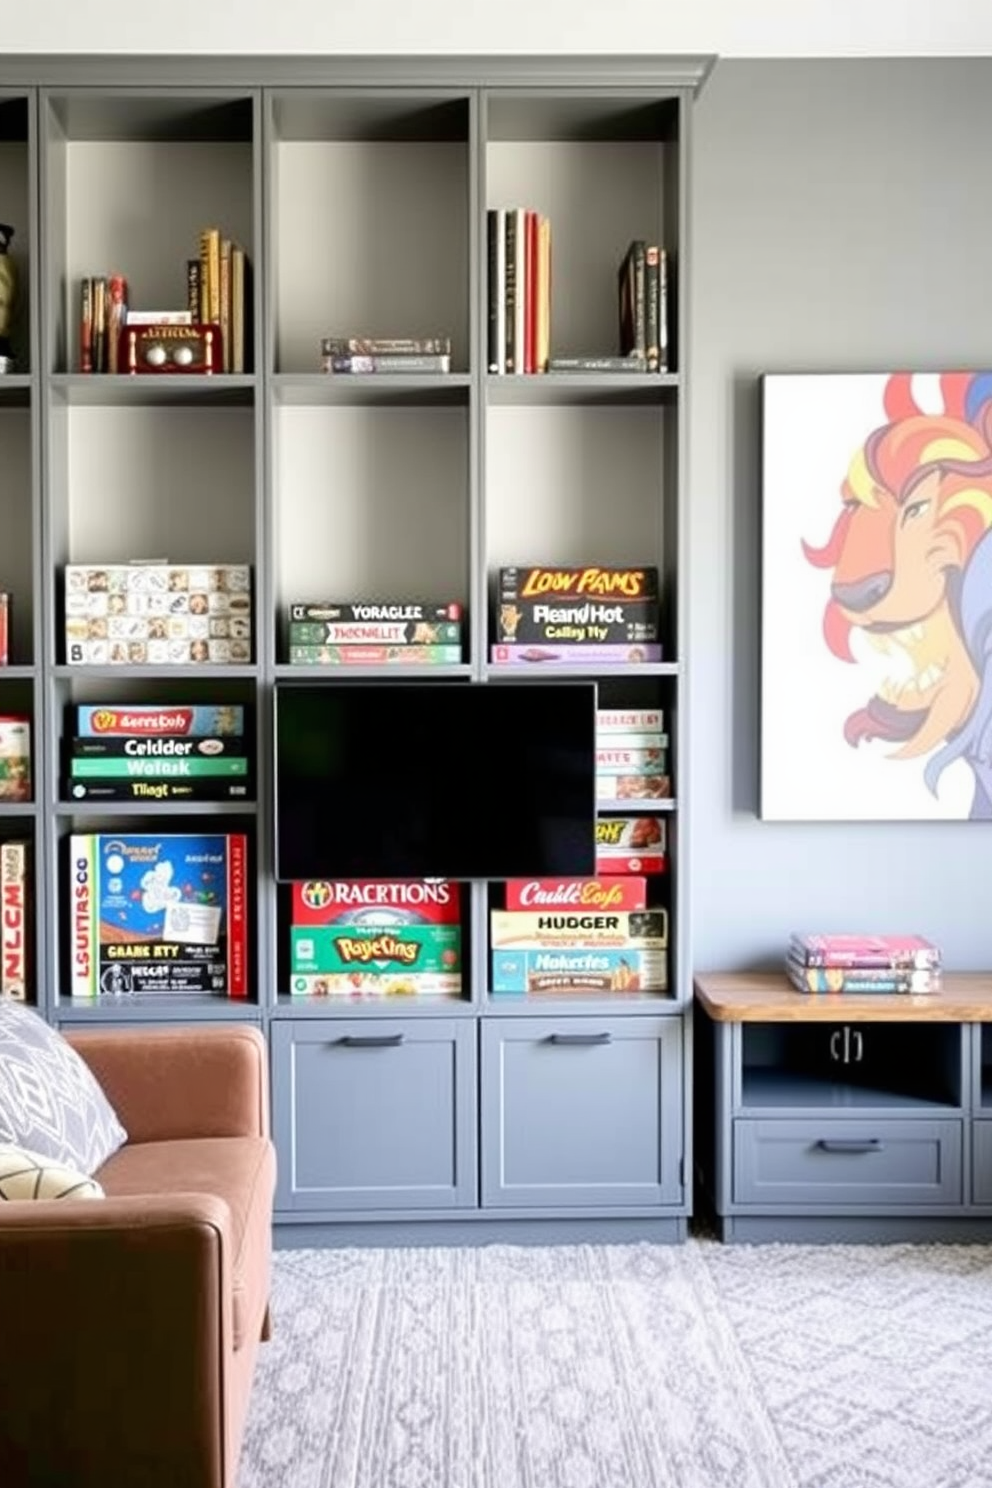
{"points": [[372, 1040], [850, 1144], [579, 1039]]}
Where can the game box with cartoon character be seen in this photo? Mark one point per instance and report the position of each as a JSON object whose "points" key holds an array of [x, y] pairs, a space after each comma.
{"points": [[158, 913]]}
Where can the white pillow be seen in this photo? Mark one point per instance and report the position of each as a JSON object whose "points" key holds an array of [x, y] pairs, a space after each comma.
{"points": [[27, 1175]]}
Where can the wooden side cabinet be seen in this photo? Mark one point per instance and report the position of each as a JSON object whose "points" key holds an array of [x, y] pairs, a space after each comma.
{"points": [[836, 1116]]}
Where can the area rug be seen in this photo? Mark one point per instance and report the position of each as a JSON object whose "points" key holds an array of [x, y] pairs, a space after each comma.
{"points": [[628, 1366]]}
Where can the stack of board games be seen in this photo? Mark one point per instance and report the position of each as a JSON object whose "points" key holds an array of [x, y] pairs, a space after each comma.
{"points": [[153, 914], [15, 919], [150, 752], [158, 614], [353, 938], [863, 963], [576, 937], [375, 633], [372, 354], [15, 757], [576, 616], [631, 755]]}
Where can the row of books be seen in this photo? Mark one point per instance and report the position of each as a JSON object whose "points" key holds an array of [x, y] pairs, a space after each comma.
{"points": [[863, 963], [217, 292], [518, 340]]}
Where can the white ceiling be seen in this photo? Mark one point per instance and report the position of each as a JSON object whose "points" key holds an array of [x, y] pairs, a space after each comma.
{"points": [[726, 28]]}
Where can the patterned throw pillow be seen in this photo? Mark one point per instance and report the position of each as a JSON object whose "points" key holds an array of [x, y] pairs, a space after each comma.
{"points": [[25, 1175], [50, 1101]]}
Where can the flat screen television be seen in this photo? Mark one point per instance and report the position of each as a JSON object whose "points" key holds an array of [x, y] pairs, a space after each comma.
{"points": [[421, 779]]}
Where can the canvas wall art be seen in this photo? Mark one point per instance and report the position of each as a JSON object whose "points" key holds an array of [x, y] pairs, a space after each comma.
{"points": [[876, 675]]}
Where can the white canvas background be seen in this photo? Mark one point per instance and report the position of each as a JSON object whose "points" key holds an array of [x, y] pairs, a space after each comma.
{"points": [[812, 426]]}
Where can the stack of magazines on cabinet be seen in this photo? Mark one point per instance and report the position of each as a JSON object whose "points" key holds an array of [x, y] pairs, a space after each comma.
{"points": [[862, 963]]}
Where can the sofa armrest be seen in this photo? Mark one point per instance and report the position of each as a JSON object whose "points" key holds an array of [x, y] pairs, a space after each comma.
{"points": [[175, 1083], [117, 1320]]}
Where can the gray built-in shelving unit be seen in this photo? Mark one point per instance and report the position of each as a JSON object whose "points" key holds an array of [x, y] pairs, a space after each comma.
{"points": [[359, 188]]}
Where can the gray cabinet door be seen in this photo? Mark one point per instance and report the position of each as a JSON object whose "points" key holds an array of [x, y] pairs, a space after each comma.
{"points": [[581, 1112], [374, 1114], [981, 1162], [837, 1163]]}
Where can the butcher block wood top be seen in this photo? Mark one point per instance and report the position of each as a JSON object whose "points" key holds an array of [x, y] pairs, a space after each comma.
{"points": [[768, 997]]}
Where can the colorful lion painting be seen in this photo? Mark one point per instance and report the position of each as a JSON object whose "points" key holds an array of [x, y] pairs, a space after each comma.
{"points": [[908, 564]]}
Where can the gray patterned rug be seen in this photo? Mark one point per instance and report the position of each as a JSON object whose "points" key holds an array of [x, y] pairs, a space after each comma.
{"points": [[633, 1366]]}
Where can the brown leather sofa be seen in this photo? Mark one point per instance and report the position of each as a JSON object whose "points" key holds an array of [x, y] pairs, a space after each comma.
{"points": [[129, 1327]]}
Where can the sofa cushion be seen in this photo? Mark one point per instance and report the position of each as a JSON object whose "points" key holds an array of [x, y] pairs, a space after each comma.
{"points": [[50, 1101], [238, 1170], [27, 1175]]}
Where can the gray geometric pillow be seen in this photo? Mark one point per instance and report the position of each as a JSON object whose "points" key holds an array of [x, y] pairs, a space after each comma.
{"points": [[50, 1101]]}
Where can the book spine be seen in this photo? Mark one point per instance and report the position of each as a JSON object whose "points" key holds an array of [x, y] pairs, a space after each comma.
{"points": [[374, 655], [652, 347], [224, 319], [4, 628], [116, 318], [598, 364], [86, 325], [237, 915], [543, 349], [663, 282], [357, 363], [530, 292], [492, 292], [510, 291], [237, 308], [203, 312], [99, 325], [213, 275], [158, 317], [404, 610], [14, 920], [385, 346], [192, 290], [520, 303], [155, 767], [639, 347]]}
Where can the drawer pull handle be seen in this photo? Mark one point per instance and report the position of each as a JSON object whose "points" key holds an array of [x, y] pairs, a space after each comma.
{"points": [[581, 1039], [849, 1144], [372, 1040]]}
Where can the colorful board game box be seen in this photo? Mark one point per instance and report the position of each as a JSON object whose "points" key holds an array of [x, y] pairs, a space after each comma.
{"points": [[190, 720], [538, 654], [379, 902], [644, 929], [604, 893], [611, 721], [361, 983], [375, 948], [630, 844], [578, 972], [14, 920], [15, 758], [158, 913], [578, 606]]}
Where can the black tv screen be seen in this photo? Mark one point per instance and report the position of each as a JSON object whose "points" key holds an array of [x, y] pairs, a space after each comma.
{"points": [[435, 779]]}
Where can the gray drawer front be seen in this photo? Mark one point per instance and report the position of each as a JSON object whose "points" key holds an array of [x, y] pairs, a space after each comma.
{"points": [[581, 1112], [841, 1162], [981, 1162], [374, 1114]]}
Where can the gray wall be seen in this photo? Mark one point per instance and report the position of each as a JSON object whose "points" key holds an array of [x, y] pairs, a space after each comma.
{"points": [[841, 221]]}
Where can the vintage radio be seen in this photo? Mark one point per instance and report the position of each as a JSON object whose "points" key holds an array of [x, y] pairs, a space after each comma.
{"points": [[172, 348]]}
